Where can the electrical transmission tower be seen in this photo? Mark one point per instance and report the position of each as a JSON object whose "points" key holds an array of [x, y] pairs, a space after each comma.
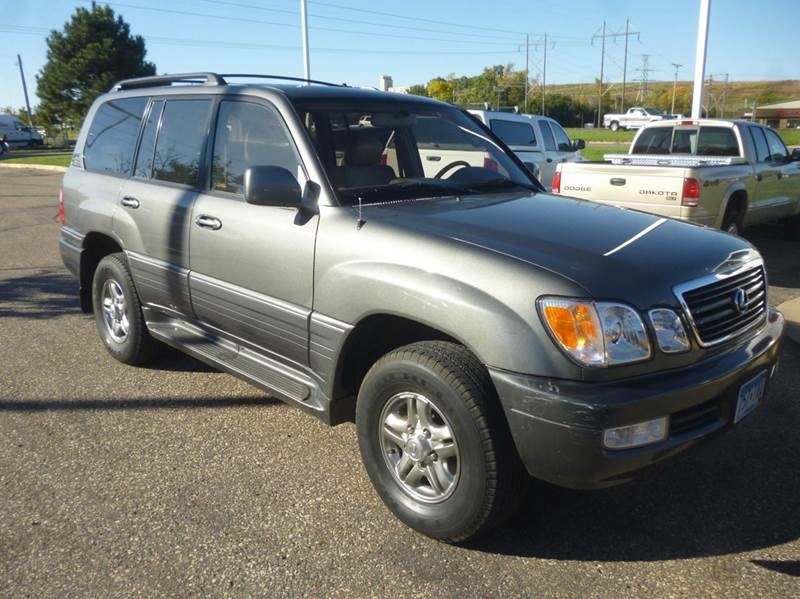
{"points": [[644, 79], [716, 93], [626, 34]]}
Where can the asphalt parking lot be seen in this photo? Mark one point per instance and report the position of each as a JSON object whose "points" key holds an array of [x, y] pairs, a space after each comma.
{"points": [[178, 480]]}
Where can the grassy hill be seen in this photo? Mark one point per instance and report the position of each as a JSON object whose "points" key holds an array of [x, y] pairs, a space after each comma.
{"points": [[739, 94]]}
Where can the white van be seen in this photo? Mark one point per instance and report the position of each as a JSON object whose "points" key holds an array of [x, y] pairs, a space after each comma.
{"points": [[17, 133], [538, 141]]}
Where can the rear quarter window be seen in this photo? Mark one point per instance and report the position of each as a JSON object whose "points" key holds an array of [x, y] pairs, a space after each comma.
{"points": [[111, 140], [655, 140]]}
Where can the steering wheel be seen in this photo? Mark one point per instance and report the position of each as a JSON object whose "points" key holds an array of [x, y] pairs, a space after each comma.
{"points": [[450, 167]]}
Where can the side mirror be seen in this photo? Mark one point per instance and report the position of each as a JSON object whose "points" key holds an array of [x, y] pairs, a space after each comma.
{"points": [[795, 155], [271, 186], [578, 144]]}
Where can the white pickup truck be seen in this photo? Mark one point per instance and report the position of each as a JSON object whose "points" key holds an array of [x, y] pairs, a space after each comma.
{"points": [[719, 173], [634, 118]]}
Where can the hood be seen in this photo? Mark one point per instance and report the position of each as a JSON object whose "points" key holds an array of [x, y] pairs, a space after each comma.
{"points": [[613, 253]]}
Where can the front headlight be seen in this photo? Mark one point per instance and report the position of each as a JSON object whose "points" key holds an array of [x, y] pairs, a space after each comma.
{"points": [[670, 333], [596, 333]]}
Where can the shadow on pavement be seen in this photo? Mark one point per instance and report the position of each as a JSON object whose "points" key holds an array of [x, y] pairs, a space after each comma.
{"points": [[790, 567], [781, 255], [48, 294], [45, 405], [737, 493]]}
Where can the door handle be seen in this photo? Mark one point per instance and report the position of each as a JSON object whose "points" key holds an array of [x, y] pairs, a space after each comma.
{"points": [[433, 158], [208, 222], [130, 202], [618, 181]]}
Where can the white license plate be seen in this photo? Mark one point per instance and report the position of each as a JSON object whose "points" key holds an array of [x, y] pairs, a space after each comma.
{"points": [[749, 395]]}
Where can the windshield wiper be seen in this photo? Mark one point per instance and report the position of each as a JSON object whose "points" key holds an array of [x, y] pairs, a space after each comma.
{"points": [[497, 184]]}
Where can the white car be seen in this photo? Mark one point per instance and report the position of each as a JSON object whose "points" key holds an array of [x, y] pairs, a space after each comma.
{"points": [[634, 118], [17, 133], [538, 141]]}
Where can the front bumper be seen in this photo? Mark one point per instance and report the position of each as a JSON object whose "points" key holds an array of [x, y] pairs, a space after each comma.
{"points": [[558, 425]]}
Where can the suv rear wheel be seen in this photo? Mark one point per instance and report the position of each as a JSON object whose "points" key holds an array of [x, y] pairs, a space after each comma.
{"points": [[118, 312], [435, 442]]}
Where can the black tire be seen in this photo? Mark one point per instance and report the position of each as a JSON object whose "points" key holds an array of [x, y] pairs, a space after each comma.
{"points": [[137, 346], [732, 221], [614, 126], [491, 479]]}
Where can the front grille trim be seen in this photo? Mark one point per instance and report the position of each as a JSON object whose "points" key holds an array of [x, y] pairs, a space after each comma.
{"points": [[751, 275]]}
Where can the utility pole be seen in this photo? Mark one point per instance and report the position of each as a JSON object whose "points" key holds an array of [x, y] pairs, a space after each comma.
{"points": [[700, 58], [25, 90], [600, 83], [628, 33], [675, 85], [527, 76], [304, 28], [544, 72]]}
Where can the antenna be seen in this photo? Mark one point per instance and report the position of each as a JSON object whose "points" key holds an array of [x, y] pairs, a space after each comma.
{"points": [[360, 222]]}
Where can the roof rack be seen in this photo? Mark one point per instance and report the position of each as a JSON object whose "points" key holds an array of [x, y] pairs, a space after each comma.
{"points": [[283, 78], [205, 79], [156, 80]]}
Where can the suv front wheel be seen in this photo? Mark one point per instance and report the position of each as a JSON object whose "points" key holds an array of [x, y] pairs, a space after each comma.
{"points": [[435, 442], [118, 312]]}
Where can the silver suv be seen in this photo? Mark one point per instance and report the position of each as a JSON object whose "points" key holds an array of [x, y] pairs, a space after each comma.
{"points": [[475, 328]]}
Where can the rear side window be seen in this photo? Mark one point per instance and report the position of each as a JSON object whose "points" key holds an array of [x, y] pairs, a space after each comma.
{"points": [[111, 140], [717, 141], [655, 140], [249, 135], [514, 133], [180, 141], [547, 136], [434, 133], [762, 149]]}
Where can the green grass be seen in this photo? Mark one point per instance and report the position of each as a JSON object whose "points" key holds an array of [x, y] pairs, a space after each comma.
{"points": [[596, 151], [601, 135], [791, 137], [61, 160]]}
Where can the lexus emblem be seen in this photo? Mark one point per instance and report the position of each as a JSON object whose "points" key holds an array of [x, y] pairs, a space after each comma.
{"points": [[740, 300]]}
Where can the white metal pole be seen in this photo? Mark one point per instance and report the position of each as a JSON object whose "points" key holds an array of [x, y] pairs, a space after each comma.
{"points": [[700, 58], [304, 27]]}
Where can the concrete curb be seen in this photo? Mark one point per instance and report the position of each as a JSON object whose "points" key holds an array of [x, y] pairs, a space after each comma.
{"points": [[791, 311], [41, 167]]}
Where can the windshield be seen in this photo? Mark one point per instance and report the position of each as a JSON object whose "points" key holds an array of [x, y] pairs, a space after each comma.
{"points": [[653, 111], [385, 152]]}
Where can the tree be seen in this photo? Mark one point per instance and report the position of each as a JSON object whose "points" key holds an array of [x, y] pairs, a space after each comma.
{"points": [[417, 89], [94, 50]]}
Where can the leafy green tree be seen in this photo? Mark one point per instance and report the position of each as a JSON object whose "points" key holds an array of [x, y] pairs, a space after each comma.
{"points": [[94, 50], [417, 89]]}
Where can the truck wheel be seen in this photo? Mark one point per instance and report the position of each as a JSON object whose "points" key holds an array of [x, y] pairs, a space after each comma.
{"points": [[435, 442], [118, 313], [732, 222], [614, 126]]}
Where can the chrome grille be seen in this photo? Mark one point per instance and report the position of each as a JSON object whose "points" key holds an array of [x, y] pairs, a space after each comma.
{"points": [[727, 306]]}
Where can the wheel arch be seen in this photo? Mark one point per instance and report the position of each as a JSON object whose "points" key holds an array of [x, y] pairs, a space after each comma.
{"points": [[96, 246], [735, 196]]}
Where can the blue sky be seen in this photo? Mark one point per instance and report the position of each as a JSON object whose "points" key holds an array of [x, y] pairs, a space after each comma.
{"points": [[351, 42]]}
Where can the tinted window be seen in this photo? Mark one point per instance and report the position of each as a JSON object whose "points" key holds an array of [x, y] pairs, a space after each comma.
{"points": [[562, 139], [717, 141], [180, 141], [655, 140], [249, 135], [144, 159], [112, 137], [684, 141], [547, 135], [762, 149], [432, 132], [777, 151], [514, 133]]}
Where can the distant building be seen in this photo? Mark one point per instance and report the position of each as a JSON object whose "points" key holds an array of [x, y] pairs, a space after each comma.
{"points": [[780, 116], [385, 83]]}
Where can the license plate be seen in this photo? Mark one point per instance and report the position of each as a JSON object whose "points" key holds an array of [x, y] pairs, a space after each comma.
{"points": [[749, 395]]}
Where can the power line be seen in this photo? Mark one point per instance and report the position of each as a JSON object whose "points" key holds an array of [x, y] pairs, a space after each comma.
{"points": [[282, 24]]}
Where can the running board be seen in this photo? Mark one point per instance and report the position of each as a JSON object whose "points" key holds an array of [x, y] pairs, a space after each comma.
{"points": [[285, 383]]}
